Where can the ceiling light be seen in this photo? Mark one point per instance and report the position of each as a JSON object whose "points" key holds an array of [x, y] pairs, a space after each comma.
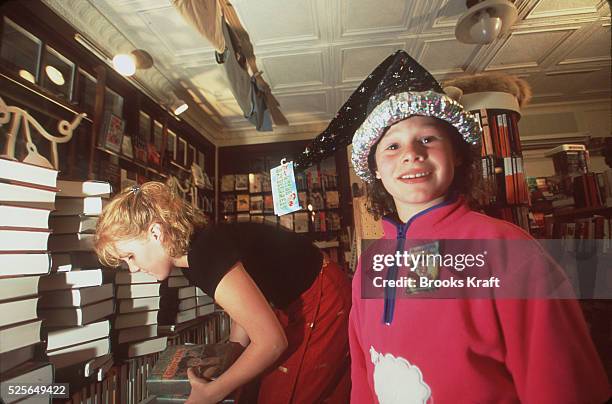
{"points": [[178, 107], [55, 75], [24, 74], [485, 20], [126, 64]]}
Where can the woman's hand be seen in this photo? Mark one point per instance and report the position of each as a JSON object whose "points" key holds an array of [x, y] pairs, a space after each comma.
{"points": [[200, 390]]}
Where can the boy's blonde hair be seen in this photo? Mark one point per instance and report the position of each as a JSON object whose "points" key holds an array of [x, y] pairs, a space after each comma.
{"points": [[130, 214]]}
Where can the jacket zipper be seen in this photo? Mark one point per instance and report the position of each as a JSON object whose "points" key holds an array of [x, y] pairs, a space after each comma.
{"points": [[389, 307]]}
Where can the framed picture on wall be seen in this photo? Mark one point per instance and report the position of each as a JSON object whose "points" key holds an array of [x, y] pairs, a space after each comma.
{"points": [[171, 145], [112, 132], [181, 152]]}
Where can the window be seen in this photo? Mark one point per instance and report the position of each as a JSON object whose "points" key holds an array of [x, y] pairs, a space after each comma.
{"points": [[20, 50], [86, 96], [201, 159], [57, 74]]}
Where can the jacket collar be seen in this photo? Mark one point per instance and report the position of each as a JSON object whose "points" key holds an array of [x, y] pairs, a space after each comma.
{"points": [[440, 214]]}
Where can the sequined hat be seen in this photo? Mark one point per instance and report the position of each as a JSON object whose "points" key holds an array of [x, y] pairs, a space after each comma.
{"points": [[397, 89]]}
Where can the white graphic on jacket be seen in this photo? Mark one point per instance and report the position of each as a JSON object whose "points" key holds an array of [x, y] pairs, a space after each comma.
{"points": [[396, 381]]}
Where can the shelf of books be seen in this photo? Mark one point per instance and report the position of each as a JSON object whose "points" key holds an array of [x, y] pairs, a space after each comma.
{"points": [[505, 192], [66, 319], [248, 198]]}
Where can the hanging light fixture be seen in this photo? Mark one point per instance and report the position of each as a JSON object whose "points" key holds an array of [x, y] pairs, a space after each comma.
{"points": [[126, 64], [178, 107], [485, 20]]}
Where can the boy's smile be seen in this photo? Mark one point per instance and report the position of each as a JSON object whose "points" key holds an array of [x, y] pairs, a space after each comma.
{"points": [[416, 163]]}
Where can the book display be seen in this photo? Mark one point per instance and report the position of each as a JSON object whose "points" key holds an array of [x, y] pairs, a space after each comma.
{"points": [[320, 217]]}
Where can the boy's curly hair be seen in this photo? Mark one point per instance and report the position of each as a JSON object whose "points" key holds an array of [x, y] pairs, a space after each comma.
{"points": [[131, 212], [467, 180]]}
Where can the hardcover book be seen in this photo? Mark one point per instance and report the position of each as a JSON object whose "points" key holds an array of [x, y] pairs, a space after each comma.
{"points": [[169, 375]]}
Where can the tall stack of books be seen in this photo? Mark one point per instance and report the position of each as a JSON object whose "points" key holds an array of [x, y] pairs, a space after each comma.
{"points": [[182, 302], [77, 296], [27, 195], [135, 325]]}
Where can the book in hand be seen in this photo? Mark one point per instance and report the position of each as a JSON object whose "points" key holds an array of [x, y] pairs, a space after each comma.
{"points": [[169, 375]]}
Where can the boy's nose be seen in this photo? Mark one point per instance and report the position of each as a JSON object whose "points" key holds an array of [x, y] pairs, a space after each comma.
{"points": [[413, 152]]}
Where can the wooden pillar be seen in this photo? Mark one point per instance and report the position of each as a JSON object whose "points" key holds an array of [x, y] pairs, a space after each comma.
{"points": [[98, 118]]}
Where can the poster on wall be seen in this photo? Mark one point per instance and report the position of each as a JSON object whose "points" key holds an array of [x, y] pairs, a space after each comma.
{"points": [[112, 132]]}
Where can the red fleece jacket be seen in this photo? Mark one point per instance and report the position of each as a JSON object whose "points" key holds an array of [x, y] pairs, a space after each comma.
{"points": [[471, 350]]}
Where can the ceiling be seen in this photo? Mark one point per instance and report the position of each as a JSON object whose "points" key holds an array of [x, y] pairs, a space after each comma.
{"points": [[314, 53]]}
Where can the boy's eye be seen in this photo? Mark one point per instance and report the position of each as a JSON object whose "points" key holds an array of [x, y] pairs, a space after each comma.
{"points": [[392, 146], [427, 139]]}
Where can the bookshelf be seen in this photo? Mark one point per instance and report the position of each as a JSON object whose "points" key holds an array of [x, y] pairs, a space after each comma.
{"points": [[126, 381], [505, 193], [245, 194]]}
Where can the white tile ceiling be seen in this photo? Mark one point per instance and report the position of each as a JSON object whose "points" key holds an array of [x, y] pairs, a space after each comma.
{"points": [[313, 53]]}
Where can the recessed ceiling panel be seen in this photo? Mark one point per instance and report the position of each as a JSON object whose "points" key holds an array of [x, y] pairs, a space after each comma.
{"points": [[527, 49], [548, 8], [357, 63], [174, 33], [307, 104], [271, 21], [368, 16], [595, 47], [296, 70], [446, 55], [211, 81]]}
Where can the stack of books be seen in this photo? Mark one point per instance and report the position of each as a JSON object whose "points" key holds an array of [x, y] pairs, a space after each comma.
{"points": [[135, 325], [27, 195], [182, 302], [77, 297]]}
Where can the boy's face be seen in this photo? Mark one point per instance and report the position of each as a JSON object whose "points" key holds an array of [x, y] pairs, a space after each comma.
{"points": [[146, 254], [415, 161]]}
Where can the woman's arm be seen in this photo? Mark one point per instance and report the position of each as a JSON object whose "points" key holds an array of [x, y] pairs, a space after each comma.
{"points": [[240, 297], [239, 334]]}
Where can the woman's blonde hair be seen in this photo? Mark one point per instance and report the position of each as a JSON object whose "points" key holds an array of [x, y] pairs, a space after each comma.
{"points": [[130, 214]]}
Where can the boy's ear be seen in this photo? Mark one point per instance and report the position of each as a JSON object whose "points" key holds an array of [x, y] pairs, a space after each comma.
{"points": [[377, 174], [155, 231]]}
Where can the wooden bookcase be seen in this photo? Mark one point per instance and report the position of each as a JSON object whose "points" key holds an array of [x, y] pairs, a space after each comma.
{"points": [[97, 90]]}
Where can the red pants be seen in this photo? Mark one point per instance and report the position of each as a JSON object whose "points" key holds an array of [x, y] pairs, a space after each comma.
{"points": [[315, 367]]}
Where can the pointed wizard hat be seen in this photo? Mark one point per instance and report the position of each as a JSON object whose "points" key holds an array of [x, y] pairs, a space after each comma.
{"points": [[406, 89], [398, 88]]}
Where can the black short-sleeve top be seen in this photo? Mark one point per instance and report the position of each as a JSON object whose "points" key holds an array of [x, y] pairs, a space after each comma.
{"points": [[283, 264]]}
